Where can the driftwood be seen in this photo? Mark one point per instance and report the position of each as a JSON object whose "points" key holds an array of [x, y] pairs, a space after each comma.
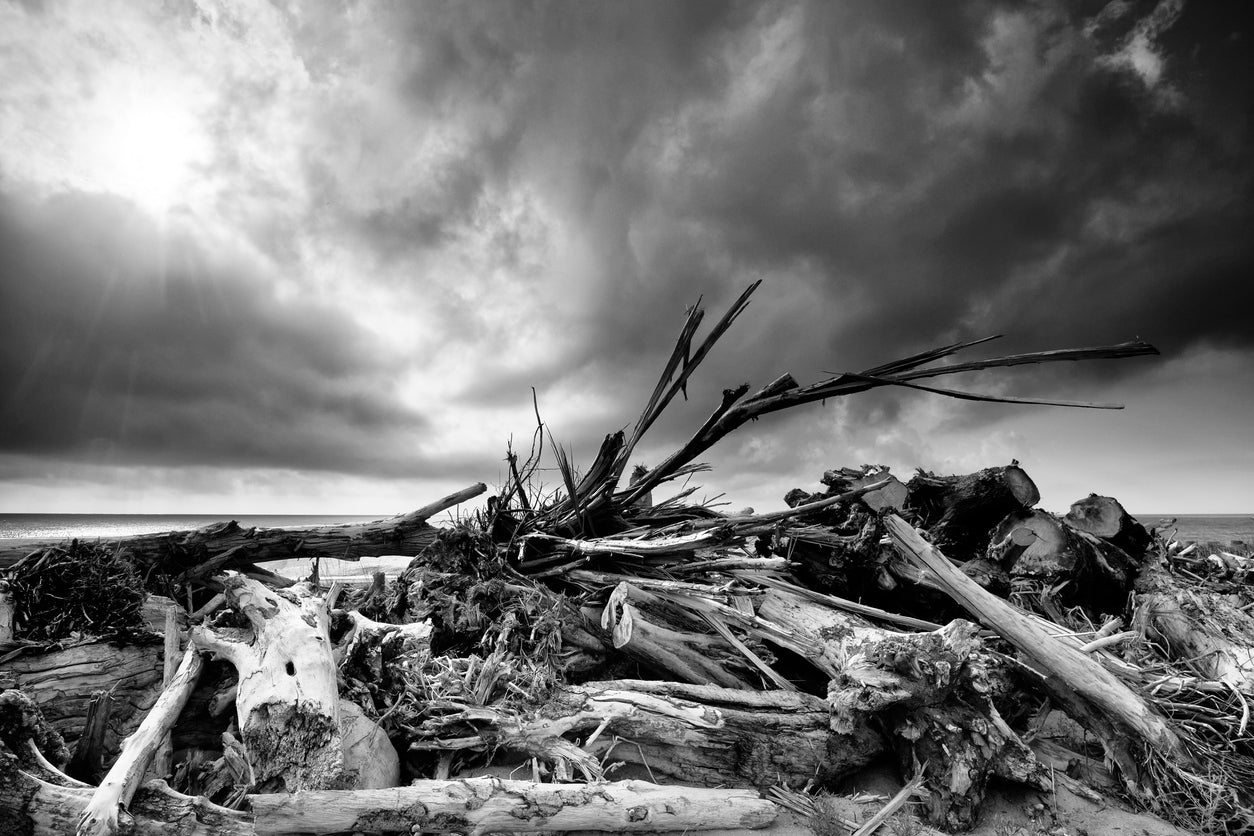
{"points": [[958, 512], [63, 682], [35, 805], [1209, 629], [1061, 561], [287, 700], [100, 815], [1132, 726], [227, 545]]}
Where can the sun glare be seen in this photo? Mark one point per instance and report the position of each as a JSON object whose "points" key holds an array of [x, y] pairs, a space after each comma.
{"points": [[147, 149]]}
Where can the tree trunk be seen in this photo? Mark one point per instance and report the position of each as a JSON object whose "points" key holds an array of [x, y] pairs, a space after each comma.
{"points": [[476, 805], [63, 682], [960, 511], [287, 700], [702, 734], [100, 816], [227, 545]]}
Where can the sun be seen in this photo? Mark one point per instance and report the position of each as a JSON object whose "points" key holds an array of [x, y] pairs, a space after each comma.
{"points": [[148, 148]]}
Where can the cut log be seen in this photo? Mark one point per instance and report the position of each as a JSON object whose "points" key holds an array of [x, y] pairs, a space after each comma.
{"points": [[8, 609], [958, 512], [1104, 517], [227, 545], [287, 701], [100, 816], [1078, 567]]}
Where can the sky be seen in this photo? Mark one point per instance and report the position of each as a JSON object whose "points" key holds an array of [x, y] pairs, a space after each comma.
{"points": [[314, 257]]}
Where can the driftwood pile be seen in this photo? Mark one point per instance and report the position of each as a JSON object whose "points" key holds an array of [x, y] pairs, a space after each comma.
{"points": [[742, 663]]}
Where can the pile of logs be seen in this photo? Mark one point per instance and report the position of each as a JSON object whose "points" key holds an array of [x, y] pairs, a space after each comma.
{"points": [[554, 640]]}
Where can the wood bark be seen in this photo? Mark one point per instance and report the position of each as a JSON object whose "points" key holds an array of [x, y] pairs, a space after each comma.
{"points": [[88, 760], [960, 511], [287, 700], [227, 545], [1058, 559], [700, 734], [62, 683]]}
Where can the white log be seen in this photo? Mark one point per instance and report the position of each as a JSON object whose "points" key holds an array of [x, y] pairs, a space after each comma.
{"points": [[488, 805], [100, 816], [287, 701]]}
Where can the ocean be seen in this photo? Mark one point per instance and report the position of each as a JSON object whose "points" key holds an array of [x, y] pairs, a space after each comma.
{"points": [[1221, 528]]}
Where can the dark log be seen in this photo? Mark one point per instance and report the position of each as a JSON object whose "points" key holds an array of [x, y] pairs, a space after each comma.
{"points": [[227, 545], [958, 512], [1104, 517], [1059, 561], [88, 761], [62, 683]]}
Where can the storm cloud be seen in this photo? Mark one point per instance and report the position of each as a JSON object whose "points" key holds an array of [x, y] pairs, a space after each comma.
{"points": [[391, 221]]}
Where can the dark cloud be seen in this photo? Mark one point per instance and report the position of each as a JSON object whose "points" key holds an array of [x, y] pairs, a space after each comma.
{"points": [[552, 184], [121, 343]]}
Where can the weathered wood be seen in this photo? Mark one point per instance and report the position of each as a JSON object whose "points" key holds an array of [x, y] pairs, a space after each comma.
{"points": [[62, 683], [1105, 517], [227, 545], [287, 701], [892, 495], [1073, 676], [100, 816], [88, 760], [929, 692], [639, 628], [959, 512], [701, 734], [474, 805], [1207, 630], [1081, 568]]}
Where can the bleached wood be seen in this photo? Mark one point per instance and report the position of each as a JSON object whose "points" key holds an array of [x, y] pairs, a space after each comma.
{"points": [[287, 700], [488, 805], [100, 815]]}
